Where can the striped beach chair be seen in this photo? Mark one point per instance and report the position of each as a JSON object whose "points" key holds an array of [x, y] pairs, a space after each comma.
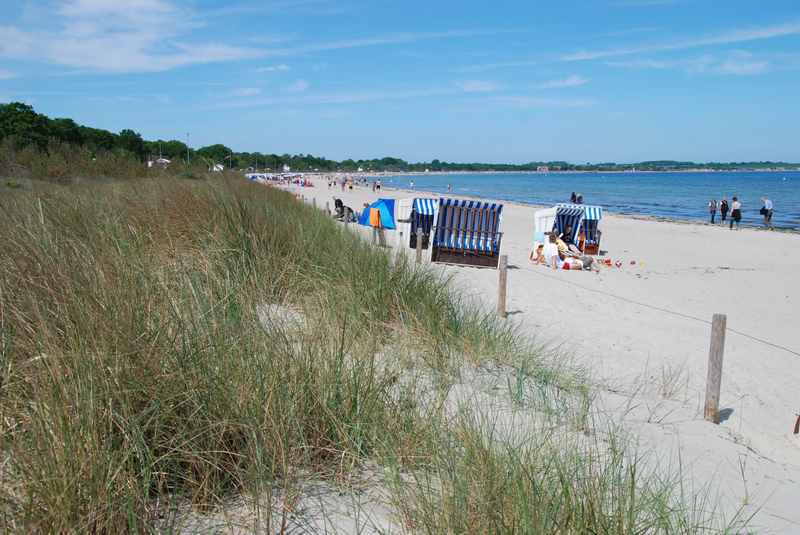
{"points": [[467, 232], [584, 219]]}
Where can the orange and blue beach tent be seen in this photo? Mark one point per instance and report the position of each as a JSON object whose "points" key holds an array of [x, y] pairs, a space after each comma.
{"points": [[381, 211]]}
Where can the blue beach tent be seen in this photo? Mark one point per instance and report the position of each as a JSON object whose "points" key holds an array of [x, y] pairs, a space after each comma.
{"points": [[386, 207]]}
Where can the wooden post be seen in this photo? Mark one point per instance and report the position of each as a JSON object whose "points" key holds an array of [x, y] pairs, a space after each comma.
{"points": [[501, 286], [314, 202], [374, 235], [382, 237], [328, 207], [714, 380], [419, 248]]}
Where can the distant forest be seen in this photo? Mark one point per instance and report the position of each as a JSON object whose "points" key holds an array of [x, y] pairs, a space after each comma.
{"points": [[22, 126]]}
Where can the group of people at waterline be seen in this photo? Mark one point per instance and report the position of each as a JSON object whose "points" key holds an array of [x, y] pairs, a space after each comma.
{"points": [[735, 208]]}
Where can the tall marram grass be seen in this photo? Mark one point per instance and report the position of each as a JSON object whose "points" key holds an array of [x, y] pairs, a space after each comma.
{"points": [[151, 355]]}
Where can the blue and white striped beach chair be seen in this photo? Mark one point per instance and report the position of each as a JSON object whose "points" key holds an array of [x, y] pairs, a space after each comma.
{"points": [[583, 218], [467, 232]]}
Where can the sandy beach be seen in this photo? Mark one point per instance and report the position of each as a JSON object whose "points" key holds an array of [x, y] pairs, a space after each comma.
{"points": [[643, 332]]}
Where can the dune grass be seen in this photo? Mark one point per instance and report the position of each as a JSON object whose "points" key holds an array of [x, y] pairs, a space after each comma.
{"points": [[138, 371]]}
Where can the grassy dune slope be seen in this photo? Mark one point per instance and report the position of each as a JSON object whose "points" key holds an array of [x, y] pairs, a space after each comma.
{"points": [[171, 341]]}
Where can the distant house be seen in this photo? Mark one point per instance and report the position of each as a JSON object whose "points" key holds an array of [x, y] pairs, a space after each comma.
{"points": [[543, 169], [163, 163]]}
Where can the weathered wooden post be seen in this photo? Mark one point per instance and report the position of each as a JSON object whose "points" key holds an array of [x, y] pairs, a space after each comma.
{"points": [[418, 248], [714, 380], [502, 268], [314, 202], [328, 207]]}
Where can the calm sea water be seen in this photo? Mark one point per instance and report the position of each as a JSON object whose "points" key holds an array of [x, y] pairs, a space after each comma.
{"points": [[673, 195]]}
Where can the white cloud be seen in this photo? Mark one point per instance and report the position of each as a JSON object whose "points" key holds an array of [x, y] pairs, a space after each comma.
{"points": [[570, 81], [246, 92], [7, 75], [299, 86], [538, 102], [498, 65], [640, 64], [737, 63], [114, 36], [273, 68], [477, 86], [726, 38], [388, 39], [742, 64], [340, 98]]}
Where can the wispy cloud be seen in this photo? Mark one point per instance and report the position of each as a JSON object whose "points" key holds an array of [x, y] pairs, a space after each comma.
{"points": [[7, 75], [340, 98], [380, 40], [113, 36], [570, 81], [737, 63], [273, 68], [539, 102], [245, 92], [498, 65], [726, 38], [477, 86], [299, 86]]}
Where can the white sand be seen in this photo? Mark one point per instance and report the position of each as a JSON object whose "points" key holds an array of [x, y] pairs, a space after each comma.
{"points": [[644, 331]]}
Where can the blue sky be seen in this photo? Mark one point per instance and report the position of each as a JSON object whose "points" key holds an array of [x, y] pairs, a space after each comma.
{"points": [[505, 81]]}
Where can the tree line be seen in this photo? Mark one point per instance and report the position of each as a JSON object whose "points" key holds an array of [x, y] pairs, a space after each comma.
{"points": [[21, 124]]}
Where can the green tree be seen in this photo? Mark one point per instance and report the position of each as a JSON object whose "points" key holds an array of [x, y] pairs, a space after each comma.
{"points": [[19, 122], [130, 141]]}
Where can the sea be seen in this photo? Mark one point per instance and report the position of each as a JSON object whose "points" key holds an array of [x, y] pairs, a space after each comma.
{"points": [[672, 195]]}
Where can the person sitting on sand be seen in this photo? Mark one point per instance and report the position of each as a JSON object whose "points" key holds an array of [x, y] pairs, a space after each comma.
{"points": [[554, 259], [537, 256]]}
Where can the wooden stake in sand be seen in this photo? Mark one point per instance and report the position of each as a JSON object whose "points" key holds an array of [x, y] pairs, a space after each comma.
{"points": [[328, 207], [715, 354], [502, 269], [314, 202], [419, 248]]}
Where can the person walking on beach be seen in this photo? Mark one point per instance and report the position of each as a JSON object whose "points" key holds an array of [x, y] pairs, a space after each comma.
{"points": [[411, 184], [723, 210], [736, 213], [373, 186], [766, 211], [712, 209], [378, 184], [449, 188], [573, 198], [579, 199]]}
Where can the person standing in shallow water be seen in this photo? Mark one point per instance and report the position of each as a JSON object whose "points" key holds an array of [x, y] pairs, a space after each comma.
{"points": [[736, 213], [723, 209], [573, 198], [766, 211], [712, 209]]}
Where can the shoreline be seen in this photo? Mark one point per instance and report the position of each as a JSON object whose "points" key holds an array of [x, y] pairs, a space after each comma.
{"points": [[620, 215], [786, 223]]}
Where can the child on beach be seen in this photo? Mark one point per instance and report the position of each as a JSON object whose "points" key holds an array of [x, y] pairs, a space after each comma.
{"points": [[736, 213]]}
